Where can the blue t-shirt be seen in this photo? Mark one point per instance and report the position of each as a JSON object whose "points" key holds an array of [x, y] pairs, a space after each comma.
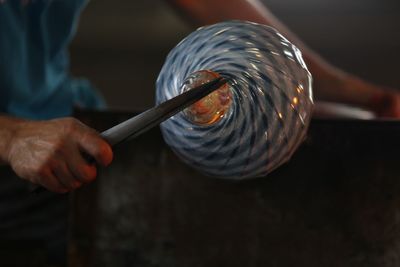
{"points": [[34, 65]]}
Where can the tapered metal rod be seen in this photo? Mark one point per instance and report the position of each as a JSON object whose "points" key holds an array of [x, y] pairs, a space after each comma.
{"points": [[154, 116], [150, 118]]}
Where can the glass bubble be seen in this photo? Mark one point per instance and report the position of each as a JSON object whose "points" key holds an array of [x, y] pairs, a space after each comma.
{"points": [[253, 124]]}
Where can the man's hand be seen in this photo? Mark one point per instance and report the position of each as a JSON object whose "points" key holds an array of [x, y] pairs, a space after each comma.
{"points": [[50, 153]]}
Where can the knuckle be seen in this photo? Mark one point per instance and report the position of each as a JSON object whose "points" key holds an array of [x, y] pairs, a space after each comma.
{"points": [[91, 137], [71, 125]]}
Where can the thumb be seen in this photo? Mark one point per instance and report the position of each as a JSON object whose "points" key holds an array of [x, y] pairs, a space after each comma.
{"points": [[95, 146]]}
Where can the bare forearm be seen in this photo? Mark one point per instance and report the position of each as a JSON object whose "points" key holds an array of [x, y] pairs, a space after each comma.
{"points": [[8, 126], [211, 11]]}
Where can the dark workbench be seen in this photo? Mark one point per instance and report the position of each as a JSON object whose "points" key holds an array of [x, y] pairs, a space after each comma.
{"points": [[336, 203]]}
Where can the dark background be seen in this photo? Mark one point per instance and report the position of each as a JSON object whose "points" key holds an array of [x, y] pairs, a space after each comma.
{"points": [[121, 44]]}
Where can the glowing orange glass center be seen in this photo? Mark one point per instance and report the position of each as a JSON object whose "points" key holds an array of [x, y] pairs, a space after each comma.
{"points": [[214, 106]]}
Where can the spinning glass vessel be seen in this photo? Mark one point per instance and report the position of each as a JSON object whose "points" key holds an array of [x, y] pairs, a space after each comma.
{"points": [[252, 124]]}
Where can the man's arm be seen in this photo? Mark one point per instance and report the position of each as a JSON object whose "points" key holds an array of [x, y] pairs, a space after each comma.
{"points": [[8, 127], [49, 153], [330, 83]]}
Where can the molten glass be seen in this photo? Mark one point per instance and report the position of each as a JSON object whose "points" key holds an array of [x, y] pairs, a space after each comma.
{"points": [[211, 108]]}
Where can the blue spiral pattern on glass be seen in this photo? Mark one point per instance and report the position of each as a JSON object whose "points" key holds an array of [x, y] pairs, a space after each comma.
{"points": [[272, 99]]}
